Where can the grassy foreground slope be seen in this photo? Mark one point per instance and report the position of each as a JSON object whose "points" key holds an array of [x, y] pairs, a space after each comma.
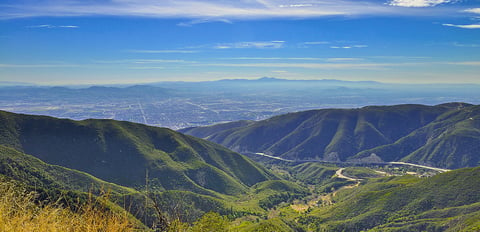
{"points": [[127, 154], [21, 211], [67, 189], [446, 135]]}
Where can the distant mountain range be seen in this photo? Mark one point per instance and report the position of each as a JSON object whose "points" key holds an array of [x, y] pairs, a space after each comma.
{"points": [[446, 135]]}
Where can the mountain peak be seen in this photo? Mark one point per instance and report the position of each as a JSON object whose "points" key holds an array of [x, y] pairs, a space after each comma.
{"points": [[270, 79]]}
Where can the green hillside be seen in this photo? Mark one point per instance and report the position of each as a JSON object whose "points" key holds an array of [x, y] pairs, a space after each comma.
{"points": [[34, 172], [159, 175], [313, 173], [203, 132], [72, 188], [446, 135], [67, 187], [125, 153], [446, 201], [452, 141]]}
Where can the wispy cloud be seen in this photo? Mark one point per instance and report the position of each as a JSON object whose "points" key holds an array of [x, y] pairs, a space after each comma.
{"points": [[260, 45], [419, 3], [343, 59], [337, 59], [39, 65], [310, 44], [295, 5], [468, 26], [473, 10], [160, 61], [306, 65], [161, 51], [316, 43], [272, 58], [200, 21], [349, 46], [146, 67], [341, 63], [141, 61], [456, 44], [465, 63], [52, 26], [210, 10]]}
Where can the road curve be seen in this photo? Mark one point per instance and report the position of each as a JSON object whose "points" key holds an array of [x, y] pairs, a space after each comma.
{"points": [[421, 166], [340, 175], [396, 163]]}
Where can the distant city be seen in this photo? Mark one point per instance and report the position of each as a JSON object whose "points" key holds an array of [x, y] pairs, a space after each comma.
{"points": [[187, 104]]}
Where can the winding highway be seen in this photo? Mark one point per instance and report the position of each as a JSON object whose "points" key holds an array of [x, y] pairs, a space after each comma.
{"points": [[394, 163], [340, 175]]}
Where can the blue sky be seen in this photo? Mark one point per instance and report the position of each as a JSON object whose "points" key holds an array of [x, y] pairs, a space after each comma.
{"points": [[140, 41]]}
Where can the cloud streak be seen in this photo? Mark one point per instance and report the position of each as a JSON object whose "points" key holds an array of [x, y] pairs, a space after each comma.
{"points": [[210, 10], [349, 46], [272, 58], [418, 3], [200, 21], [259, 45], [468, 26], [142, 61], [161, 51], [340, 63], [337, 59], [306, 65], [465, 63], [39, 66], [473, 10], [53, 26]]}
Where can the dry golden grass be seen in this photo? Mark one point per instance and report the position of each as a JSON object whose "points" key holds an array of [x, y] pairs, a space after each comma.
{"points": [[18, 212]]}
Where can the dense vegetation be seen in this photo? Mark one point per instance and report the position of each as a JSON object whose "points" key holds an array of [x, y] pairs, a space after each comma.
{"points": [[158, 175], [446, 201], [21, 210], [123, 153], [446, 135], [59, 173]]}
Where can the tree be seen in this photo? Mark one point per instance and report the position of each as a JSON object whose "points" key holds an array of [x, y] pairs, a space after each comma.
{"points": [[211, 222]]}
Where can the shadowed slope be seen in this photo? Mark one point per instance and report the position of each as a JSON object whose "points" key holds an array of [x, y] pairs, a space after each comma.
{"points": [[341, 134], [123, 152]]}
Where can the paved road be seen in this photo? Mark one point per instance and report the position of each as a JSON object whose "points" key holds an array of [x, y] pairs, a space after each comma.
{"points": [[421, 166], [340, 175], [396, 163], [274, 157]]}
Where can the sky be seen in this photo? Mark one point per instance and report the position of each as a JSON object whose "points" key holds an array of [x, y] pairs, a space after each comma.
{"points": [[62, 42]]}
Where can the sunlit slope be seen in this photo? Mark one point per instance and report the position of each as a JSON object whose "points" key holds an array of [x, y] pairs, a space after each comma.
{"points": [[452, 141], [446, 201], [341, 134], [127, 153]]}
